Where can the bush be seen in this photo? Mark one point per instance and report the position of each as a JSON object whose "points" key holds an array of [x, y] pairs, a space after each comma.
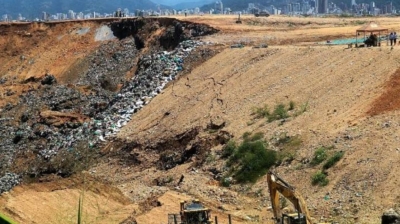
{"points": [[257, 136], [228, 149], [280, 112], [291, 105], [250, 160], [261, 112], [246, 135], [302, 110], [333, 160], [319, 178], [254, 159], [319, 156]]}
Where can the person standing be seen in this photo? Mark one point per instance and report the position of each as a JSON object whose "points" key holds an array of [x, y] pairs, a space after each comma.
{"points": [[394, 38], [391, 38]]}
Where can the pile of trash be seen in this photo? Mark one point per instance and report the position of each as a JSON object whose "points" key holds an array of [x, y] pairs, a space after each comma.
{"points": [[8, 181], [106, 111]]}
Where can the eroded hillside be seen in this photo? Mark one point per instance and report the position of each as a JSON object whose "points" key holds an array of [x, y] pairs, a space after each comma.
{"points": [[171, 149]]}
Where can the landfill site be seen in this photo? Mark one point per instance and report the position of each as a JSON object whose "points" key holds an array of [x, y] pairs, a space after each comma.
{"points": [[125, 120]]}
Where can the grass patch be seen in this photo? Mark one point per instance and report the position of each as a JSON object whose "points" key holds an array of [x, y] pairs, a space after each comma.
{"points": [[250, 160], [319, 178], [280, 112], [303, 108], [333, 160], [261, 112], [320, 155], [291, 105], [288, 147]]}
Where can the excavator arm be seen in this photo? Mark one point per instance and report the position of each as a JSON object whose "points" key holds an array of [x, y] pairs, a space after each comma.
{"points": [[277, 184]]}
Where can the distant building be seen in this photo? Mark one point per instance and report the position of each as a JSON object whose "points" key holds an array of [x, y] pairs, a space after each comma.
{"points": [[45, 16], [6, 18], [219, 7], [322, 6], [126, 12], [71, 14]]}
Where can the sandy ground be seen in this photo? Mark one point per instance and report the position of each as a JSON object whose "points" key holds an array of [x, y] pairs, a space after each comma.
{"points": [[352, 105]]}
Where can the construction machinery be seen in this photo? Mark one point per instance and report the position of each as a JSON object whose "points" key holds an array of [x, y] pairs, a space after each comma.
{"points": [[191, 213], [277, 184]]}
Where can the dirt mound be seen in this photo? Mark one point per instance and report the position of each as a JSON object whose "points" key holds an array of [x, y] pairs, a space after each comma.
{"points": [[390, 98]]}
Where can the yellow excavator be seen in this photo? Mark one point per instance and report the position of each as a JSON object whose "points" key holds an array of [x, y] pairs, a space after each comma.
{"points": [[277, 184]]}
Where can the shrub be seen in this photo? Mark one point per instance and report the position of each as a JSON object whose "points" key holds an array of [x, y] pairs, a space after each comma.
{"points": [[254, 159], [250, 160], [257, 136], [228, 149], [291, 105], [246, 135], [319, 178], [288, 147], [226, 182], [280, 112], [319, 156], [261, 112], [303, 108], [333, 160]]}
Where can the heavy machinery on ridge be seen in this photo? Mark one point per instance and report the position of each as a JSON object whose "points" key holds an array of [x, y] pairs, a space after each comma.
{"points": [[277, 184]]}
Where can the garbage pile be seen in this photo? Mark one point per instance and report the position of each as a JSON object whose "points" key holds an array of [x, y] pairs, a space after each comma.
{"points": [[107, 111], [8, 181]]}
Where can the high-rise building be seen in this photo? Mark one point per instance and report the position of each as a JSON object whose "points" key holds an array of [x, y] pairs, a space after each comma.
{"points": [[353, 2], [219, 7], [322, 6], [45, 16]]}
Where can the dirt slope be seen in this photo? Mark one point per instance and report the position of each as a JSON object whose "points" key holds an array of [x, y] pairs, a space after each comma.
{"points": [[340, 86], [352, 105]]}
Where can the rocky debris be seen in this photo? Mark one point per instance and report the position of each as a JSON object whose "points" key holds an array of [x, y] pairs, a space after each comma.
{"points": [[49, 79], [58, 119], [8, 181], [104, 33], [110, 63], [3, 80]]}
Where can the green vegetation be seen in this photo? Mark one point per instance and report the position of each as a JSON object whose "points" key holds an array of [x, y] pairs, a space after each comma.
{"points": [[333, 160], [228, 149], [6, 220], [250, 160], [319, 178], [288, 147], [261, 112], [320, 155], [280, 111], [291, 105], [302, 110]]}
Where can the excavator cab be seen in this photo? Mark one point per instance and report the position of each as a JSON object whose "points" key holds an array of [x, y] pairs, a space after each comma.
{"points": [[294, 218]]}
